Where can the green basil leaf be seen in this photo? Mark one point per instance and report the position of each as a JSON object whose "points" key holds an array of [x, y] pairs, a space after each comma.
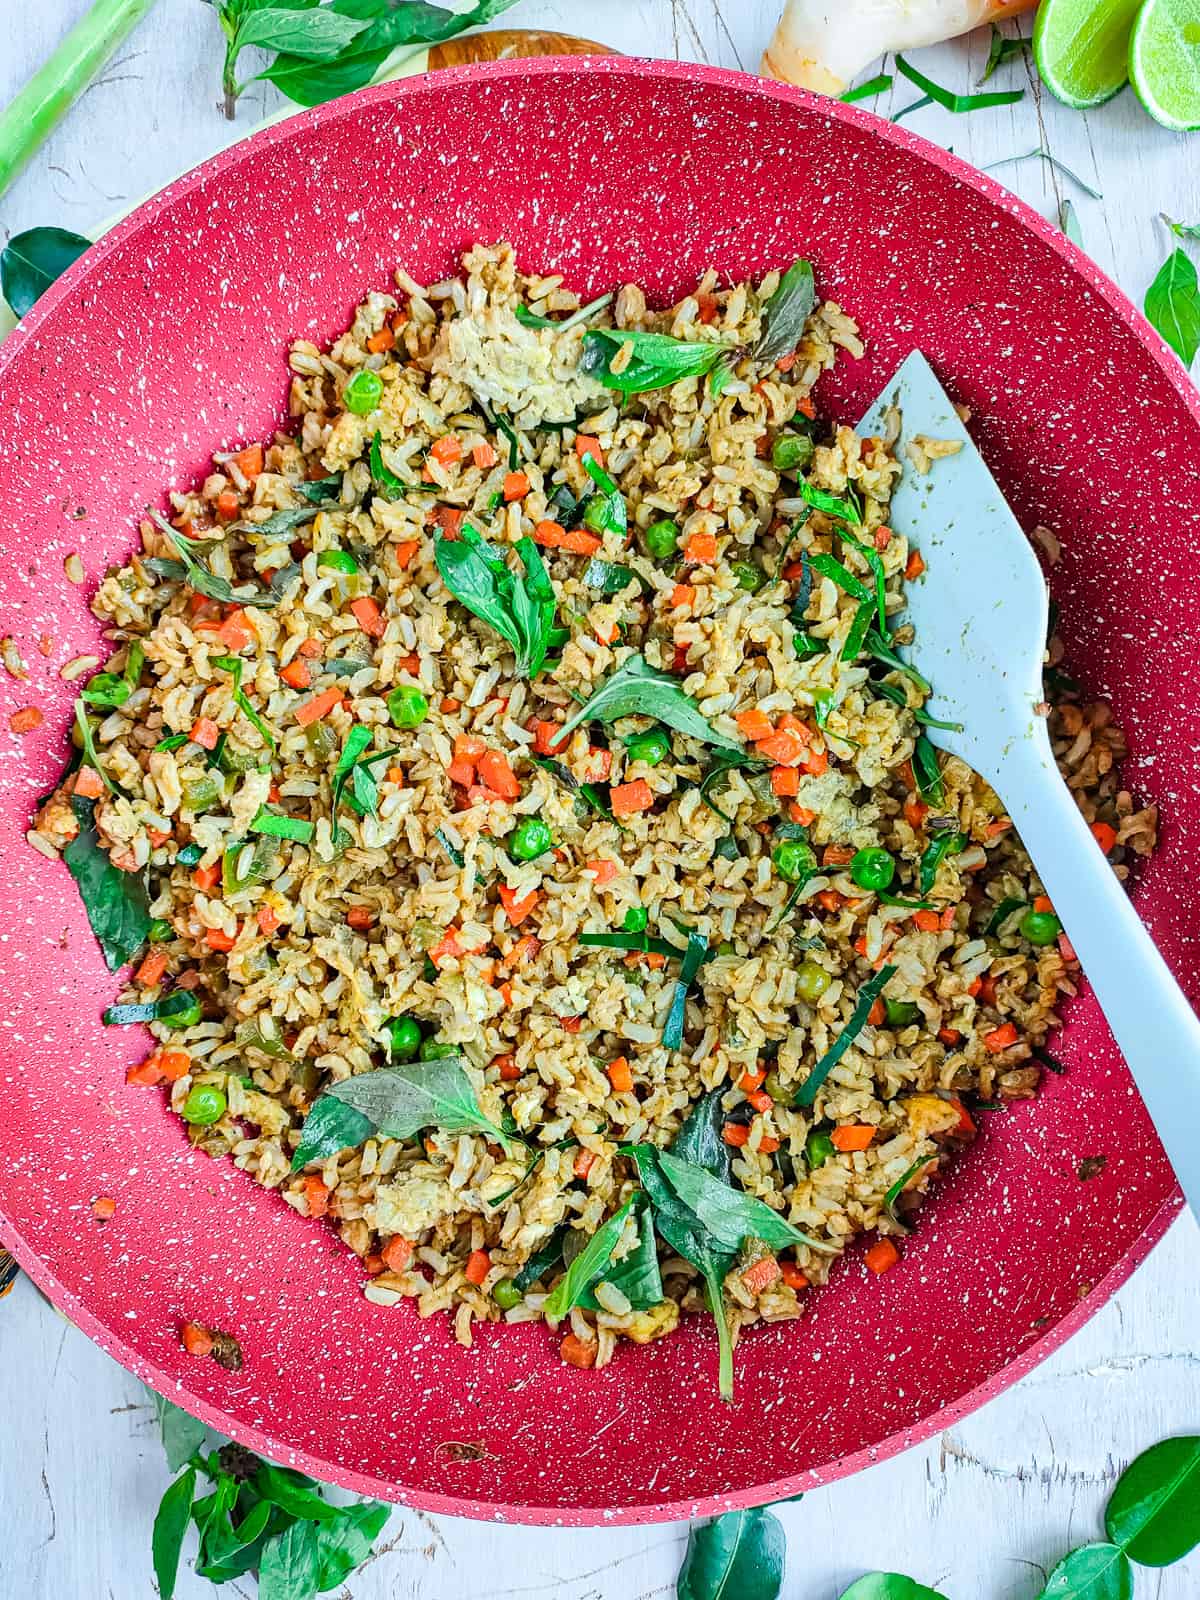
{"points": [[226, 1551], [1095, 1572], [786, 312], [519, 606], [289, 1566], [739, 1556], [315, 34], [117, 903], [1172, 305], [700, 1139], [636, 689], [321, 490], [847, 509], [346, 1543], [292, 1492], [1002, 913], [170, 1525], [588, 1266], [402, 1100], [529, 319], [728, 1215], [725, 761], [657, 361], [542, 1260], [280, 524], [1154, 1511], [198, 577], [946, 844], [636, 1275], [889, 1586], [694, 956], [867, 997], [609, 577], [181, 1433], [31, 261], [329, 1127]]}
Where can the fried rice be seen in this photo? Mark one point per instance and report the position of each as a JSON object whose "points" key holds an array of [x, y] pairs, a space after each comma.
{"points": [[301, 952]]}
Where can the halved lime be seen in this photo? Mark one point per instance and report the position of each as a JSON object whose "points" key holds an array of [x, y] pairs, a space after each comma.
{"points": [[1164, 61], [1082, 48]]}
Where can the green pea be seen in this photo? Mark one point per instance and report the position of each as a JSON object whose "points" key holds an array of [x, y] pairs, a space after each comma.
{"points": [[506, 1294], [790, 451], [651, 747], [530, 839], [407, 706], [363, 393], [1040, 927], [749, 577], [636, 919], [901, 1012], [159, 931], [661, 539], [811, 982], [437, 1050], [873, 869], [794, 859], [777, 1089], [337, 561], [187, 1018], [404, 1038], [205, 1104], [595, 513], [818, 1148]]}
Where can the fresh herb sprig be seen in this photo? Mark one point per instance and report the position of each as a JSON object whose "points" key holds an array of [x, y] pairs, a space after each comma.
{"points": [[200, 578], [637, 689], [519, 605], [117, 903], [657, 360], [1172, 305]]}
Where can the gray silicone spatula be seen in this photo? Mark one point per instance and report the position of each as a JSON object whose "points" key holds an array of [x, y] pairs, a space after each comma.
{"points": [[980, 614]]}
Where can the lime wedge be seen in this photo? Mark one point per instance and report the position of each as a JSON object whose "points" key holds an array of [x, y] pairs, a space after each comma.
{"points": [[1082, 48], [1164, 61]]}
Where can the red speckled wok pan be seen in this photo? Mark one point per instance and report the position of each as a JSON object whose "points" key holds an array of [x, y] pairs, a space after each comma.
{"points": [[169, 340]]}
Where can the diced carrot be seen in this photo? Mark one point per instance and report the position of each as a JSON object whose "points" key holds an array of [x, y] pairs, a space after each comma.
{"points": [[1043, 902], [468, 747], [602, 871], [507, 1067], [586, 445], [601, 765], [830, 900], [196, 1339], [785, 748], [397, 1253], [914, 566], [701, 547], [249, 461], [268, 921], [882, 537], [447, 946], [754, 725], [736, 1134], [311, 649], [760, 1100], [946, 920], [927, 921], [479, 1264], [104, 1208], [549, 534], [583, 1163], [950, 1037], [881, 1257], [505, 991], [707, 307], [484, 455], [227, 505], [360, 918], [792, 1275], [1000, 1038], [1066, 949], [405, 551], [571, 1024], [817, 763], [620, 1075], [296, 674], [450, 520], [965, 1126], [786, 363], [373, 1264], [218, 939], [837, 855], [385, 339], [801, 814], [1105, 836], [317, 1194], [987, 991], [789, 722], [368, 616], [89, 785], [877, 1013], [516, 486], [517, 910], [915, 812], [627, 799], [855, 1136], [234, 633], [576, 1353], [205, 733], [319, 706], [446, 450], [679, 661], [145, 1075], [525, 949], [495, 771], [578, 542], [785, 781], [806, 408], [761, 1275], [996, 828], [206, 878], [683, 594], [608, 635]]}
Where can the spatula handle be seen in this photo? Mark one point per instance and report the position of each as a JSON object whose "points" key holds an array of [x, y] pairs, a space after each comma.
{"points": [[1154, 1025]]}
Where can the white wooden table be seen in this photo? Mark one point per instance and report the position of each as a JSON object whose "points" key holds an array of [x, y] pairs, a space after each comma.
{"points": [[981, 1511]]}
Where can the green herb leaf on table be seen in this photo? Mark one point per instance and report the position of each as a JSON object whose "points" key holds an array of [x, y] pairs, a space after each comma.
{"points": [[956, 102], [1094, 1572], [867, 91], [657, 359], [290, 1564], [518, 605], [400, 1101], [1068, 222], [1172, 306], [786, 312], [170, 1526], [292, 1492], [1154, 1511], [867, 996], [1002, 50], [1182, 230], [345, 1544], [588, 1266], [889, 1586], [31, 261], [181, 1433], [636, 689], [117, 903], [739, 1556]]}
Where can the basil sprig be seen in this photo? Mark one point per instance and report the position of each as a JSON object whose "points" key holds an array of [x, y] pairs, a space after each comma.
{"points": [[519, 605], [587, 1269], [198, 577], [117, 903], [636, 689], [786, 312], [657, 361]]}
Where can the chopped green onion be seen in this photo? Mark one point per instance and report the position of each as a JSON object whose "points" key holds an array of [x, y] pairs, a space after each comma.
{"points": [[957, 103], [867, 997], [279, 827]]}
